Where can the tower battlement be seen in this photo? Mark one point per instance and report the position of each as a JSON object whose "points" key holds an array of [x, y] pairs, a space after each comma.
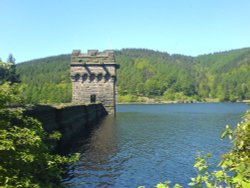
{"points": [[93, 77], [93, 56]]}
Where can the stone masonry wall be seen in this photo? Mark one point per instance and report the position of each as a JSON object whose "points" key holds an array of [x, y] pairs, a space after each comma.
{"points": [[70, 121], [93, 78]]}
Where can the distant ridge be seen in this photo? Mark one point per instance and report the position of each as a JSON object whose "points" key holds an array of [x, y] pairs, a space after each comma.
{"points": [[152, 51]]}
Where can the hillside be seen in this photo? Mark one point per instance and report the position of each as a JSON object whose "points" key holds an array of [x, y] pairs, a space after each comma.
{"points": [[46, 80], [148, 73]]}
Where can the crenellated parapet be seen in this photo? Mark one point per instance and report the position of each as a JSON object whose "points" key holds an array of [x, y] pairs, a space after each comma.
{"points": [[93, 77], [93, 57]]}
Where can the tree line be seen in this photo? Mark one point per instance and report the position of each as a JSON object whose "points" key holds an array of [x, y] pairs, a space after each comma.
{"points": [[27, 152], [224, 76]]}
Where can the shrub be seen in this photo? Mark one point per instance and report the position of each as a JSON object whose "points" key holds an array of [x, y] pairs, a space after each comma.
{"points": [[26, 153]]}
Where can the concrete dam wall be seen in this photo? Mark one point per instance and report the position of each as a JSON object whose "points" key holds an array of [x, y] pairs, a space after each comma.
{"points": [[70, 121]]}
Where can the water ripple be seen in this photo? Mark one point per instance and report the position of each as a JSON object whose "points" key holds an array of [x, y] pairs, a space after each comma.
{"points": [[147, 144]]}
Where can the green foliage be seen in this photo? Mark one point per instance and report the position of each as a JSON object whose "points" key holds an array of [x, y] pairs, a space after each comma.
{"points": [[8, 95], [11, 59], [127, 98], [238, 160], [26, 150], [8, 71], [166, 185], [148, 73], [46, 80]]}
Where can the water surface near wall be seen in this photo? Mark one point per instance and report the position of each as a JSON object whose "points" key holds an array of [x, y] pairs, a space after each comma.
{"points": [[146, 144]]}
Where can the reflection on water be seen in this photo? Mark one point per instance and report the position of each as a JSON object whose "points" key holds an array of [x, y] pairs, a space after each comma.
{"points": [[103, 140], [96, 162], [146, 144]]}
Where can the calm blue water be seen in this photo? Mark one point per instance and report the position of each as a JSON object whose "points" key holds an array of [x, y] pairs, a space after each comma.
{"points": [[147, 144]]}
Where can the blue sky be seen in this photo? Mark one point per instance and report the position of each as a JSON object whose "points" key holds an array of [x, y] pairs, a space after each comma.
{"points": [[33, 29]]}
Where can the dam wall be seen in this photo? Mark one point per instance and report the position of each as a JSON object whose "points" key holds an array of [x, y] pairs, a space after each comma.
{"points": [[70, 120]]}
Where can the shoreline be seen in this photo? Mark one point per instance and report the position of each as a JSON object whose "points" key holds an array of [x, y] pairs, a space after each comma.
{"points": [[182, 102]]}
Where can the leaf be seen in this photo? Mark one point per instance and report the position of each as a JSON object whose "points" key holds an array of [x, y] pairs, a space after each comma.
{"points": [[208, 155], [161, 185], [224, 134], [238, 179], [209, 185], [245, 184], [177, 186], [219, 174]]}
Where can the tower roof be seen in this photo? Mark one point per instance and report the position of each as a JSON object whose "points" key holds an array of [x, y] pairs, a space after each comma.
{"points": [[93, 57]]}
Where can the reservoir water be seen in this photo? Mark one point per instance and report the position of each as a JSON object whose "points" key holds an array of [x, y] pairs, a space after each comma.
{"points": [[147, 144]]}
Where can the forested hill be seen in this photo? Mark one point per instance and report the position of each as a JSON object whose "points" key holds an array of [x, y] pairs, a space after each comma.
{"points": [[147, 73]]}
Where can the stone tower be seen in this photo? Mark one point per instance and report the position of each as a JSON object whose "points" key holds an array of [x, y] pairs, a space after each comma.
{"points": [[93, 78]]}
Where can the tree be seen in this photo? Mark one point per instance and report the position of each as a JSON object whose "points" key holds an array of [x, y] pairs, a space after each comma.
{"points": [[27, 156], [8, 71], [11, 59]]}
